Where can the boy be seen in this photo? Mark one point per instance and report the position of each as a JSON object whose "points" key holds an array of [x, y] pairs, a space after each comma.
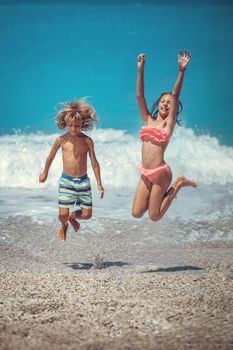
{"points": [[74, 184]]}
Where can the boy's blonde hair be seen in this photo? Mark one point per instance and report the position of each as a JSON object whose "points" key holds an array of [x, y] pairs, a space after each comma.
{"points": [[77, 110]]}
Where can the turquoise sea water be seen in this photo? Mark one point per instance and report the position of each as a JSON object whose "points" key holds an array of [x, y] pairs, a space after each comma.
{"points": [[54, 51]]}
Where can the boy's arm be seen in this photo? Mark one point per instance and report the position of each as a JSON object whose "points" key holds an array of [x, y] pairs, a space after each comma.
{"points": [[49, 160], [95, 166], [183, 60], [140, 88]]}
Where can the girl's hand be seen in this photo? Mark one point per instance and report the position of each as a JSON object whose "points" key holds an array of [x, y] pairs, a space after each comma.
{"points": [[101, 190], [141, 60], [183, 59], [43, 177]]}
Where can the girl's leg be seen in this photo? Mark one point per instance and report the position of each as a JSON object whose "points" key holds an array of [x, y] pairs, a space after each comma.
{"points": [[160, 200], [83, 214], [141, 198], [63, 217], [158, 192]]}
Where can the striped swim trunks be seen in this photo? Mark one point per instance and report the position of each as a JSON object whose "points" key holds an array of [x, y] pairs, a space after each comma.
{"points": [[74, 191]]}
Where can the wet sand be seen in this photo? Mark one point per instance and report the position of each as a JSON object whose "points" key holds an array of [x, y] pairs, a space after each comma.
{"points": [[149, 294]]}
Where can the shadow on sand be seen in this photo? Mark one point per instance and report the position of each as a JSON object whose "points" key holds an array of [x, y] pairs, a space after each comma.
{"points": [[88, 266], [175, 269]]}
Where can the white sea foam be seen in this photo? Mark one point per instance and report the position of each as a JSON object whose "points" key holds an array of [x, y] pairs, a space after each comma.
{"points": [[199, 157]]}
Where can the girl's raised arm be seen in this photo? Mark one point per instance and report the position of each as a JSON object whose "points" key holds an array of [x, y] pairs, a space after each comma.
{"points": [[183, 60], [140, 88]]}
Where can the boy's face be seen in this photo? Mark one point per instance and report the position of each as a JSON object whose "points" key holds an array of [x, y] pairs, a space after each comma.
{"points": [[74, 126]]}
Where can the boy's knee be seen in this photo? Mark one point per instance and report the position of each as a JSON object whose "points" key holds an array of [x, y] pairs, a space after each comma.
{"points": [[63, 217], [72, 216], [86, 215]]}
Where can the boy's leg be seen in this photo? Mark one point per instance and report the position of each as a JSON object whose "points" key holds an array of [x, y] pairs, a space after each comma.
{"points": [[63, 217], [83, 214], [84, 199], [74, 223]]}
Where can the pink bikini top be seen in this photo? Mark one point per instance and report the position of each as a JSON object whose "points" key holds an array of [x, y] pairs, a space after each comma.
{"points": [[158, 136]]}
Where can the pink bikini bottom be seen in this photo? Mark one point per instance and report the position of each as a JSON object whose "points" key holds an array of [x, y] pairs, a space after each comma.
{"points": [[150, 174]]}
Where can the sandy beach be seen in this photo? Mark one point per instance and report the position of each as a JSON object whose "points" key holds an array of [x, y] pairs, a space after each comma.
{"points": [[148, 295]]}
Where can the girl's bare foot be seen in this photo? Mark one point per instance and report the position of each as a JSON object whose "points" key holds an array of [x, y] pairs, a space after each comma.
{"points": [[74, 223], [181, 181], [61, 235]]}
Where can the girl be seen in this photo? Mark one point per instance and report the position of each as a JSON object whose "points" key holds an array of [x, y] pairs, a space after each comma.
{"points": [[152, 193]]}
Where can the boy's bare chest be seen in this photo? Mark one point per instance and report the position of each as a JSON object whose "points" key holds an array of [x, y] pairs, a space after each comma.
{"points": [[78, 147]]}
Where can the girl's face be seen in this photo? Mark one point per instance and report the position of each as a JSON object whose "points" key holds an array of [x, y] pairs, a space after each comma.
{"points": [[164, 105], [74, 126]]}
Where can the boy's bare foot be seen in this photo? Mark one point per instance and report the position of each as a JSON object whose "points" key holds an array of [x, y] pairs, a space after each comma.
{"points": [[74, 223], [61, 235], [181, 181]]}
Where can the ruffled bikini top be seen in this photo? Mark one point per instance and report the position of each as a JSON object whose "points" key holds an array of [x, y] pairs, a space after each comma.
{"points": [[155, 135]]}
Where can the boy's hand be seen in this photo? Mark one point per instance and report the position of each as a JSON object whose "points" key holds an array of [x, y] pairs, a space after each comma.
{"points": [[101, 190], [43, 177]]}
